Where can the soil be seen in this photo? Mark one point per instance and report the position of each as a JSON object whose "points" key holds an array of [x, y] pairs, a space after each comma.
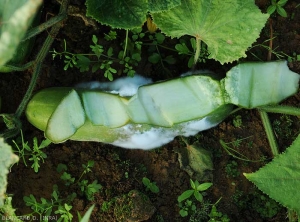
{"points": [[120, 171]]}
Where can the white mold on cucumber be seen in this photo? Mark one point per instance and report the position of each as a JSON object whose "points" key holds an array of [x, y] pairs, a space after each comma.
{"points": [[130, 114]]}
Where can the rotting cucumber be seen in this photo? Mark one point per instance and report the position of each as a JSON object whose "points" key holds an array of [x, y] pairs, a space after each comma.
{"points": [[158, 112]]}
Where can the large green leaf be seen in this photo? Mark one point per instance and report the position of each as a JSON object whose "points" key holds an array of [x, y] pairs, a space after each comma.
{"points": [[280, 179], [7, 158], [16, 17], [227, 27], [162, 5], [126, 14]]}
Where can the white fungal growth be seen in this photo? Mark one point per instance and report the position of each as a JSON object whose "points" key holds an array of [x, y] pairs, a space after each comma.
{"points": [[158, 136], [124, 86]]}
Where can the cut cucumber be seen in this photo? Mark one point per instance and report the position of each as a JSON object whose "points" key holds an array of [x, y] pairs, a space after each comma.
{"points": [[136, 111], [66, 118], [105, 109], [180, 100], [250, 85]]}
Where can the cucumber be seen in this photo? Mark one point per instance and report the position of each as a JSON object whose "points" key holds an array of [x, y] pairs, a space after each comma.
{"points": [[105, 109], [161, 111], [64, 121]]}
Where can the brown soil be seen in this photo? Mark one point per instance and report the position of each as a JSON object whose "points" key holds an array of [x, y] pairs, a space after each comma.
{"points": [[120, 170]]}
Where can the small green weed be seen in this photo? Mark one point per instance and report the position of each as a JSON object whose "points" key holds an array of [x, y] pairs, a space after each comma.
{"points": [[265, 206], [278, 7], [35, 152], [183, 49], [105, 59], [217, 216], [46, 208], [87, 189], [196, 190], [237, 121], [231, 169], [283, 127], [150, 185], [186, 204]]}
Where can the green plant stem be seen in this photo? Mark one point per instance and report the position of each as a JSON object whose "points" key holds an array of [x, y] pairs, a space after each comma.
{"points": [[269, 132], [289, 110], [37, 64], [126, 42], [40, 28], [19, 68], [39, 60], [198, 48]]}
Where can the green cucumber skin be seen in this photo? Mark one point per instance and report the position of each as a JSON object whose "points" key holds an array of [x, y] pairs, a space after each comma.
{"points": [[150, 98]]}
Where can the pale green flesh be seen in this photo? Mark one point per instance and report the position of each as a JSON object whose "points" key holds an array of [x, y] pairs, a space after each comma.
{"points": [[136, 111], [104, 109], [261, 84], [64, 121], [162, 105]]}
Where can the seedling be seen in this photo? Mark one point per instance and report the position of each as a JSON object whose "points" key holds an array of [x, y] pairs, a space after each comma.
{"points": [[150, 185], [278, 7], [196, 190], [36, 154], [86, 188], [46, 208], [89, 189]]}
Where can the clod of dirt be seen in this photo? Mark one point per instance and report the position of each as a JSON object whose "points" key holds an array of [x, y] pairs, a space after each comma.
{"points": [[133, 207]]}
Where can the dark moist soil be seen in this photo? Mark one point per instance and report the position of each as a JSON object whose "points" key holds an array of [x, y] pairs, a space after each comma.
{"points": [[120, 171]]}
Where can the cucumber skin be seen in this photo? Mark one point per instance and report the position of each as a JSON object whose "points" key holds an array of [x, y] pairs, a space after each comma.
{"points": [[44, 103]]}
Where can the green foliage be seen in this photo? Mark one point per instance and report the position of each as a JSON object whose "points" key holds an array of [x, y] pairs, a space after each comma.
{"points": [[7, 158], [237, 121], [208, 21], [217, 216], [277, 5], [104, 59], [183, 48], [35, 152], [265, 206], [283, 127], [56, 205], [87, 189], [7, 212], [279, 178], [86, 217], [187, 207], [231, 169], [64, 211], [16, 17], [196, 190], [124, 14], [150, 185]]}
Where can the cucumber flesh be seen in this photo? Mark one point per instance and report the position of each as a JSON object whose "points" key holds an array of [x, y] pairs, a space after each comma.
{"points": [[167, 102], [105, 109], [136, 111], [66, 118], [251, 85]]}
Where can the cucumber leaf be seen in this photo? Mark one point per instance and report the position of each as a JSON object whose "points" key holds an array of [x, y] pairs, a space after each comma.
{"points": [[280, 179], [227, 27], [126, 14], [7, 158], [15, 18]]}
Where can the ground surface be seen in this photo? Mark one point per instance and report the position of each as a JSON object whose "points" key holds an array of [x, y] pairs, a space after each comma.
{"points": [[119, 170]]}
